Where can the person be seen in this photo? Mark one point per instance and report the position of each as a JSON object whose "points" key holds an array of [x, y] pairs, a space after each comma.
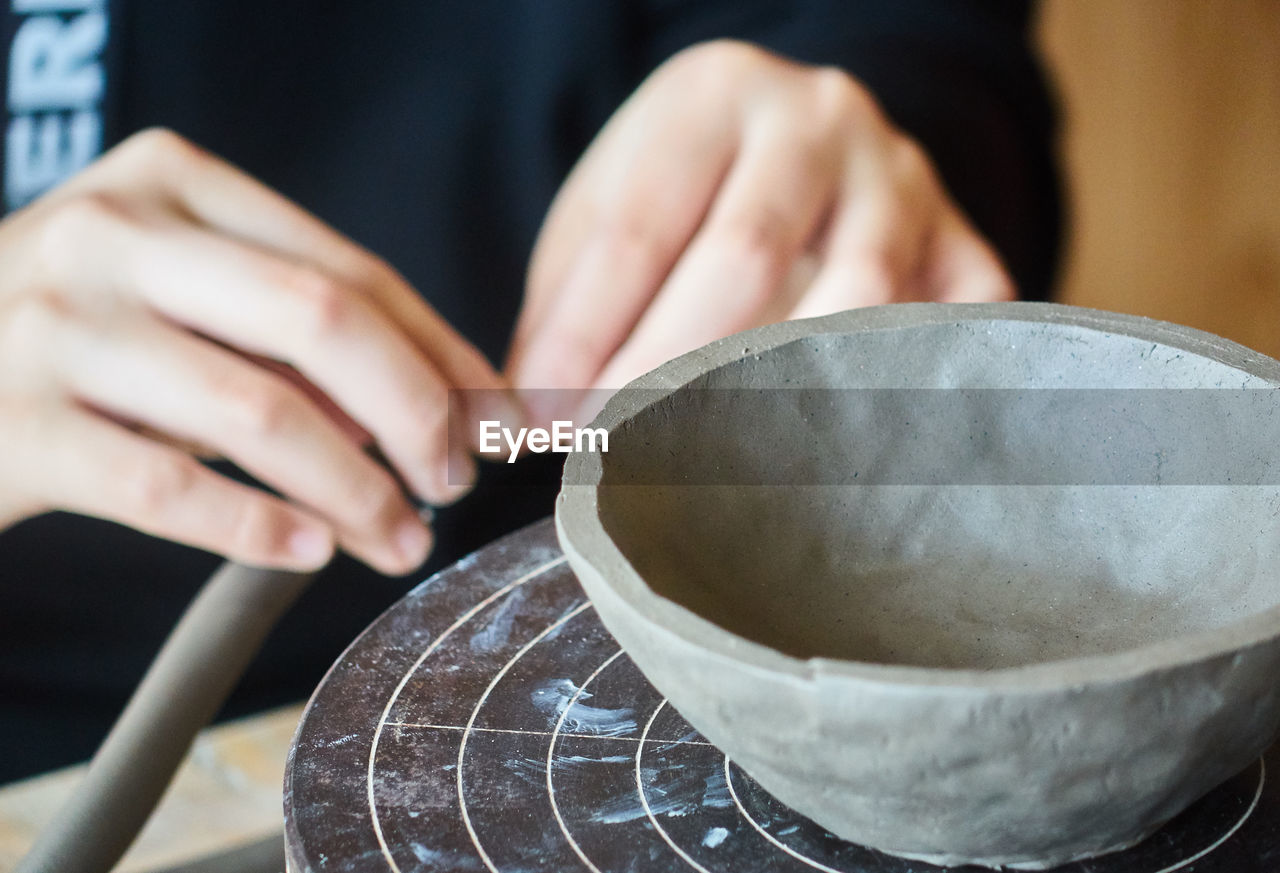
{"points": [[314, 220]]}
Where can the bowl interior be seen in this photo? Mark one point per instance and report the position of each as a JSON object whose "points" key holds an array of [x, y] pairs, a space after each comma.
{"points": [[812, 499]]}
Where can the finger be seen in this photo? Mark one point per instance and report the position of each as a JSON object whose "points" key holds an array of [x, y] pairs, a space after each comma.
{"points": [[167, 379], [93, 467], [255, 301], [613, 234], [23, 432], [729, 278], [345, 423], [651, 138], [963, 268], [232, 202], [877, 238]]}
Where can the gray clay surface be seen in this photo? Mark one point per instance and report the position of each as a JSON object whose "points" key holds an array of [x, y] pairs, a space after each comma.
{"points": [[993, 673]]}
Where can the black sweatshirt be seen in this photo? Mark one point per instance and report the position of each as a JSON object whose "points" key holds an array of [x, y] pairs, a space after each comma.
{"points": [[434, 133]]}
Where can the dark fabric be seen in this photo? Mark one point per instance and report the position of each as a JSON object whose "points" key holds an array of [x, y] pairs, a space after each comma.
{"points": [[436, 134]]}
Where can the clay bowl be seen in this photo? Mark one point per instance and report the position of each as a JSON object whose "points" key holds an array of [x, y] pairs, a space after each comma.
{"points": [[939, 660]]}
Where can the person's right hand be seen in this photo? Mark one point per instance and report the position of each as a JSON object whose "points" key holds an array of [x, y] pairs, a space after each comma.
{"points": [[151, 302]]}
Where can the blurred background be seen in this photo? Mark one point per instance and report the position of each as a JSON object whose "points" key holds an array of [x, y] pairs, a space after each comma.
{"points": [[1171, 146]]}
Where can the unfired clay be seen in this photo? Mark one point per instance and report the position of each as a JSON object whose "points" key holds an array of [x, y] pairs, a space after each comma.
{"points": [[977, 671]]}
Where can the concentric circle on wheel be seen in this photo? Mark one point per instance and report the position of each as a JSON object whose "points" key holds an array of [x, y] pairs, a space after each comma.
{"points": [[570, 760]]}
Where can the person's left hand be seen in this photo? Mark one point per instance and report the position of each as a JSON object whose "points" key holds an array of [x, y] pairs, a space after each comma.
{"points": [[734, 189]]}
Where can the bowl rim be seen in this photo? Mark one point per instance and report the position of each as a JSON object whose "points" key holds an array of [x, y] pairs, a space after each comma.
{"points": [[581, 531]]}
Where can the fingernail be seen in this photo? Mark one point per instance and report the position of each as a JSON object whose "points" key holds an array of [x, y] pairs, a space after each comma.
{"points": [[592, 403], [456, 475], [413, 542], [310, 546], [546, 405], [494, 404]]}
